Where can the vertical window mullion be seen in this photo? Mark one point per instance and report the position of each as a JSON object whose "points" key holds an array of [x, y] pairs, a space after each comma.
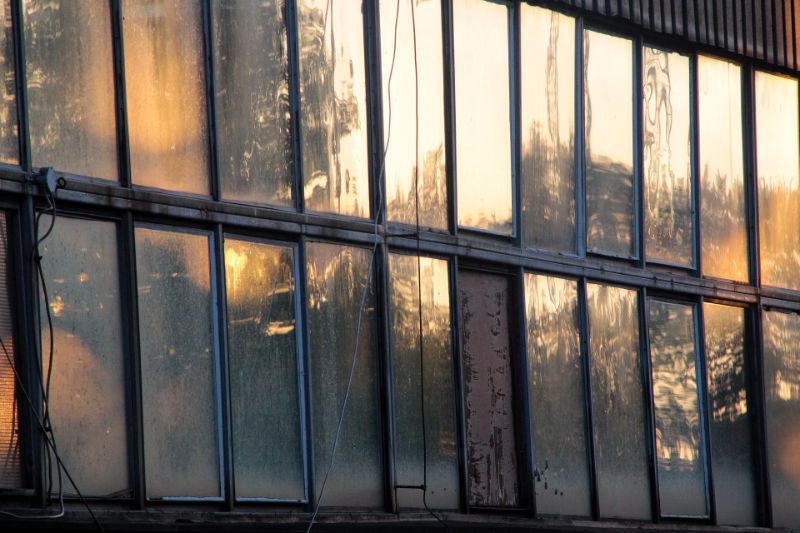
{"points": [[586, 368], [647, 379], [579, 141], [448, 54], [21, 85], [751, 185], [123, 141], [223, 383], [296, 169], [211, 101]]}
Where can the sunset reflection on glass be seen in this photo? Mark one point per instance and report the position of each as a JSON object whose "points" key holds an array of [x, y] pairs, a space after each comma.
{"points": [[11, 471], [483, 126]]}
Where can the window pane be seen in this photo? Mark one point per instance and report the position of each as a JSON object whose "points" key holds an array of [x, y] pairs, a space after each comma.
{"points": [[440, 441], [778, 188], [252, 84], [667, 157], [721, 169], [9, 147], [262, 353], [413, 172], [87, 398], [333, 99], [731, 439], [177, 361], [681, 473], [166, 93], [608, 104], [11, 470], [336, 277], [548, 129], [488, 389], [483, 123], [623, 477], [69, 65], [556, 396]]}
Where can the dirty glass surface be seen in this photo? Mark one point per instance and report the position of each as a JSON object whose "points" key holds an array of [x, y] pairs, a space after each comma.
{"points": [[176, 326], [561, 475], [9, 144], [11, 473], [438, 449], [623, 476], [252, 102], [548, 129], [483, 123], [413, 171], [166, 94], [336, 276], [334, 111], [262, 357]]}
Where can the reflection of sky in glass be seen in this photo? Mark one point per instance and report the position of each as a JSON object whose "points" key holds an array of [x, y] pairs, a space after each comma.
{"points": [[483, 124]]}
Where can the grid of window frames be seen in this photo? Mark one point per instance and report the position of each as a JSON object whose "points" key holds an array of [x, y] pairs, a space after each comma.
{"points": [[538, 286]]}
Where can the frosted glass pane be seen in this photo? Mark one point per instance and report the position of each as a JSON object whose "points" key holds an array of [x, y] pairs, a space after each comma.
{"points": [[262, 354], [414, 172], [679, 452], [11, 475], [666, 116], [69, 66], [483, 123], [778, 174], [731, 439], [548, 129], [253, 115], [177, 364], [334, 107], [721, 169], [623, 476], [87, 398], [608, 125], [336, 277], [9, 147], [561, 476], [166, 94], [440, 440]]}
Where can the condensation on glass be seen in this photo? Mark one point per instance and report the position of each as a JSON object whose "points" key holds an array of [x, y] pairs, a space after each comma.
{"points": [[679, 446], [778, 175], [87, 395], [488, 389], [621, 459], [69, 68], [336, 276], [557, 406], [730, 420], [9, 143], [722, 199], [176, 337], [548, 129], [434, 361], [252, 101], [334, 111], [608, 137], [666, 113], [413, 120], [166, 94], [263, 360], [11, 469], [782, 390], [483, 123]]}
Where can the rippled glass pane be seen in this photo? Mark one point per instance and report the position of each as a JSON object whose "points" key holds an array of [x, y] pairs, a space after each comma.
{"points": [[679, 452], [262, 354], [336, 277], [11, 470], [488, 389], [731, 439], [548, 129], [608, 102], [417, 112], [87, 398], [438, 450], [69, 66], [483, 123], [782, 384], [9, 147], [252, 82], [561, 476], [334, 111], [667, 171], [724, 239], [176, 336], [623, 477], [778, 171], [166, 94]]}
